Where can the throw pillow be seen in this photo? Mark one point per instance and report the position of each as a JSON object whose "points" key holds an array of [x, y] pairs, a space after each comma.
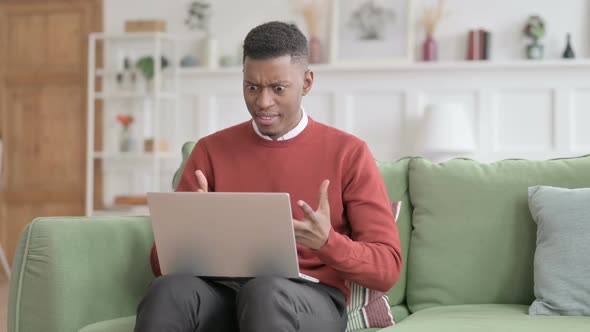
{"points": [[369, 308], [562, 256]]}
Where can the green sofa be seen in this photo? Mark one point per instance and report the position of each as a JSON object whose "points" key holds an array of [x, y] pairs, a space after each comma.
{"points": [[468, 244]]}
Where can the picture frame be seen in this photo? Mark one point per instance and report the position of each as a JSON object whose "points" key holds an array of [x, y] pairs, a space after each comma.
{"points": [[371, 32]]}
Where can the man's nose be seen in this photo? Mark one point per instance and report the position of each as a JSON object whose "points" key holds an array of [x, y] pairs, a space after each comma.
{"points": [[264, 99]]}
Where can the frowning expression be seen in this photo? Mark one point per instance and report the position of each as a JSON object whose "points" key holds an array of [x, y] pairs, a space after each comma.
{"points": [[273, 89]]}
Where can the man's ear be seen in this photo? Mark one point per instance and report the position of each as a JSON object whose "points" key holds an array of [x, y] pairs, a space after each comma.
{"points": [[307, 81]]}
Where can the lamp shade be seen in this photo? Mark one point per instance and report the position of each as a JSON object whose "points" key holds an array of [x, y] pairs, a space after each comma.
{"points": [[446, 129]]}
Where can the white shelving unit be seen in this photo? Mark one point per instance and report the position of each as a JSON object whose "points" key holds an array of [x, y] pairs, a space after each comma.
{"points": [[154, 107]]}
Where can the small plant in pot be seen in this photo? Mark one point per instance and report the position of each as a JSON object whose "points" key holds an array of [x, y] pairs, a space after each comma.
{"points": [[125, 139], [147, 68], [198, 19], [535, 29]]}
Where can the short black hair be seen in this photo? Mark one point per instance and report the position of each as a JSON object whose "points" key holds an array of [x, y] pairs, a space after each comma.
{"points": [[275, 39]]}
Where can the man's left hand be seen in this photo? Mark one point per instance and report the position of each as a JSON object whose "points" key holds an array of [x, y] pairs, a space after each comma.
{"points": [[313, 230]]}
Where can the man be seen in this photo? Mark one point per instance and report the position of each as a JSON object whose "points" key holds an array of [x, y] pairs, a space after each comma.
{"points": [[350, 235]]}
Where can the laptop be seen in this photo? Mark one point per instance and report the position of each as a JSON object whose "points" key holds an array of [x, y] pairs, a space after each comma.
{"points": [[225, 235]]}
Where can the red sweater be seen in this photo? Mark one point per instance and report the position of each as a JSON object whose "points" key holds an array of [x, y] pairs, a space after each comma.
{"points": [[363, 245]]}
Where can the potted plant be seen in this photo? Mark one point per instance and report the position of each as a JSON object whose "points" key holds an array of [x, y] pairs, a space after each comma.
{"points": [[199, 19], [125, 140], [147, 68], [535, 29]]}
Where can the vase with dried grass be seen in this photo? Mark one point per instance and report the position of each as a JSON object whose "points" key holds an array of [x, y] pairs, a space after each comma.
{"points": [[430, 20], [311, 14]]}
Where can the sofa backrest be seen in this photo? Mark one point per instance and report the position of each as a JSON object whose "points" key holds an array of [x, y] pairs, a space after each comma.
{"points": [[395, 176], [473, 237], [187, 148]]}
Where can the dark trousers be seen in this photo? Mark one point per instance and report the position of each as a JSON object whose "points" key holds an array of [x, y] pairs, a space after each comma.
{"points": [[183, 303]]}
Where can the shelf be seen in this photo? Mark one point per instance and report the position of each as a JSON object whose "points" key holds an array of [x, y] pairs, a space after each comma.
{"points": [[413, 66], [134, 155], [207, 70], [101, 72], [156, 105], [123, 210], [148, 36], [459, 65], [134, 95]]}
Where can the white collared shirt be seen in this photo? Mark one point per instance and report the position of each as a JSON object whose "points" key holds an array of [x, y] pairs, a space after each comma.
{"points": [[292, 133]]}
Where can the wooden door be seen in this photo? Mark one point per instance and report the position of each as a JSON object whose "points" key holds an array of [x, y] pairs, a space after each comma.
{"points": [[43, 88]]}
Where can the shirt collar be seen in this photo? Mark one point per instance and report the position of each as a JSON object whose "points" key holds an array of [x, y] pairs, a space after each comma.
{"points": [[292, 133]]}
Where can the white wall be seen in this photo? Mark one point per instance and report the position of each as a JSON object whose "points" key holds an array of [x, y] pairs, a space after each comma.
{"points": [[526, 116], [505, 18]]}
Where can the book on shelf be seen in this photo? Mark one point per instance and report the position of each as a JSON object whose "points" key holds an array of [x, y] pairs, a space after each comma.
{"points": [[479, 45]]}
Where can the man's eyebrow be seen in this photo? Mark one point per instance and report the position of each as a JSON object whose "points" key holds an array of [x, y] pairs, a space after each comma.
{"points": [[271, 84]]}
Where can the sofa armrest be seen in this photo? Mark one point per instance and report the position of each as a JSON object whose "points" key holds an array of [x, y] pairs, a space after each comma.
{"points": [[69, 272]]}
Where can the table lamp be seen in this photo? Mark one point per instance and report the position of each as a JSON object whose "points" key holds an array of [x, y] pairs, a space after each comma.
{"points": [[446, 132]]}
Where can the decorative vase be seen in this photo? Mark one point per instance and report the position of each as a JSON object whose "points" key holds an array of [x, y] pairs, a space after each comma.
{"points": [[315, 50], [429, 49], [568, 53], [125, 140], [189, 60], [210, 54], [150, 86], [534, 51]]}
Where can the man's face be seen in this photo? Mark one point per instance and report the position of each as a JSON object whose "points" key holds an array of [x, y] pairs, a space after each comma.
{"points": [[273, 89]]}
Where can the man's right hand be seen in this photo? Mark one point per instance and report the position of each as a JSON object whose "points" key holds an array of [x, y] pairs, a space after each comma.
{"points": [[201, 182]]}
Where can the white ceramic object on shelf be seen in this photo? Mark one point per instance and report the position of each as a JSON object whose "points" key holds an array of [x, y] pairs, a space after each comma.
{"points": [[210, 52]]}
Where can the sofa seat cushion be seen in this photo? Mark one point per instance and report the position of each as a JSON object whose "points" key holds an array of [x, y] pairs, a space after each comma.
{"points": [[126, 324], [487, 318], [123, 324]]}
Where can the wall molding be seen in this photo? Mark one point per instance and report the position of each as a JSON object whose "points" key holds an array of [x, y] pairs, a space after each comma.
{"points": [[495, 93]]}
